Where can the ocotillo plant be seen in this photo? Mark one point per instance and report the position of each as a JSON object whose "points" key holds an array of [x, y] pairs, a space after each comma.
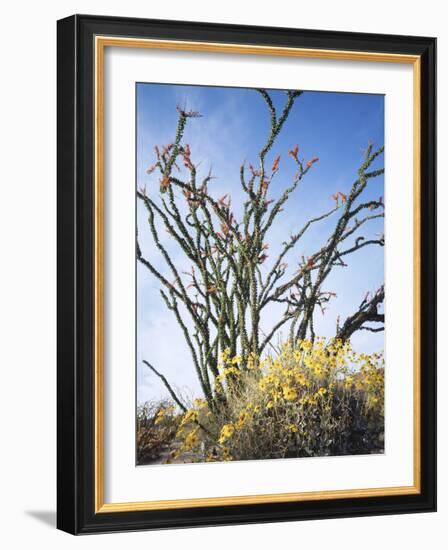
{"points": [[225, 291]]}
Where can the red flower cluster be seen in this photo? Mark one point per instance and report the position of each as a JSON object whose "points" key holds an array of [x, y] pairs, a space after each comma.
{"points": [[311, 162], [294, 152], [340, 195], [186, 156], [165, 183]]}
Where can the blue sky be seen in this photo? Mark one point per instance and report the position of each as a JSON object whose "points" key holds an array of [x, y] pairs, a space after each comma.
{"points": [[336, 127]]}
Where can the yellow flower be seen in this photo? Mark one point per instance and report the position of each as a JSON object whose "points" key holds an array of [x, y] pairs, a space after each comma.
{"points": [[242, 419], [225, 355], [321, 392], [160, 416], [231, 370], [306, 345], [190, 415], [277, 395], [251, 361], [191, 440], [226, 454], [226, 432], [199, 403], [270, 404], [277, 365], [293, 428], [289, 393]]}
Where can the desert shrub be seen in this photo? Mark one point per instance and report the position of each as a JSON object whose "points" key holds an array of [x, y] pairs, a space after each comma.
{"points": [[313, 399], [157, 424]]}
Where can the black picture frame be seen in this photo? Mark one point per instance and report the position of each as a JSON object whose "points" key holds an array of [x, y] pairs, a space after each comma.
{"points": [[76, 272]]}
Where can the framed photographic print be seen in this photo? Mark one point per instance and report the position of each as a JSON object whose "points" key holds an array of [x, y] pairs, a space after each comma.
{"points": [[247, 274]]}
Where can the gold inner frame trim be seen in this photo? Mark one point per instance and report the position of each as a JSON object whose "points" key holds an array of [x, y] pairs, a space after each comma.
{"points": [[101, 42]]}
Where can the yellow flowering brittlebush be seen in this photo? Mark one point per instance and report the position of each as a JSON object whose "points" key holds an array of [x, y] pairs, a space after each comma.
{"points": [[310, 399]]}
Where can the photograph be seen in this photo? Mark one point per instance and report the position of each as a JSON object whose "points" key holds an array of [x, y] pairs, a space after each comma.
{"points": [[260, 287], [246, 259]]}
